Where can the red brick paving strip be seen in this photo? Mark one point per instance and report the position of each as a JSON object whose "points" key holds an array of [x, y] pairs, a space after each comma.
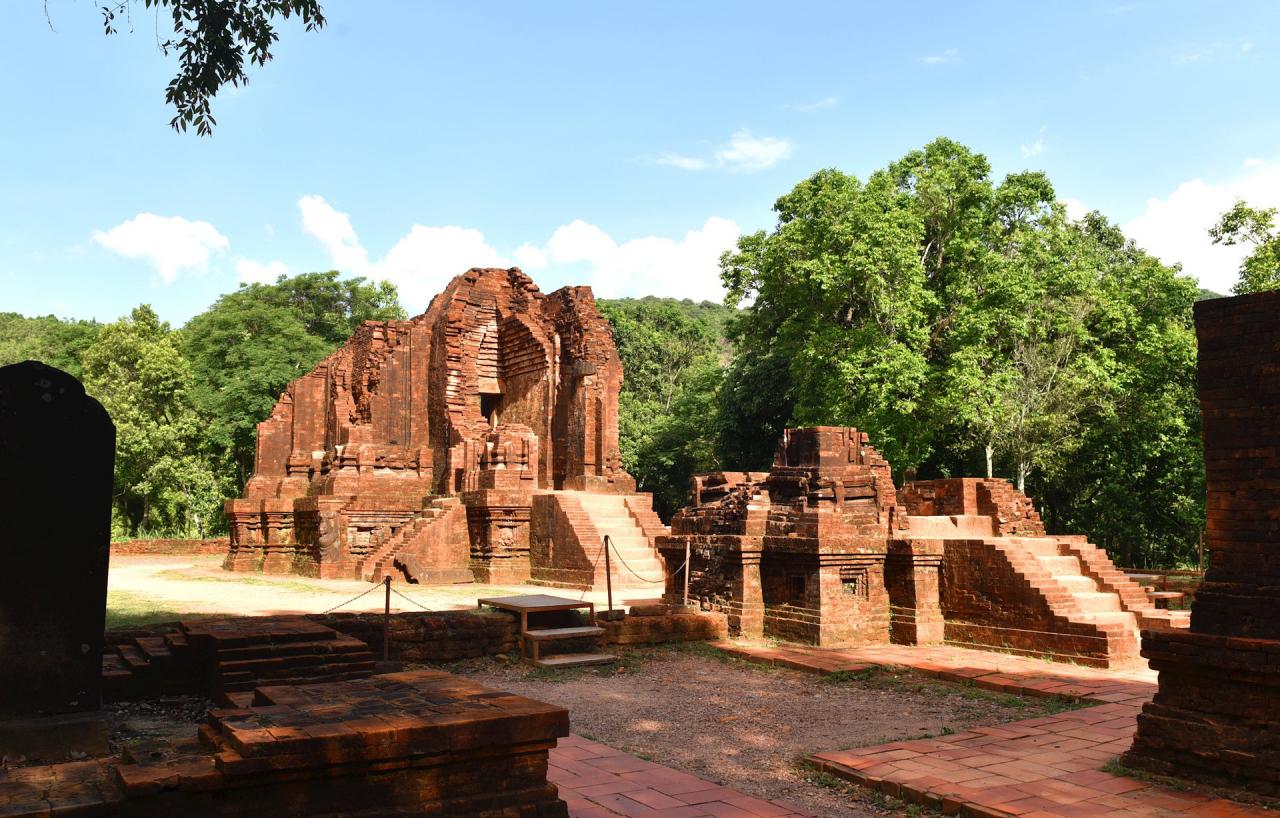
{"points": [[1045, 767], [600, 782]]}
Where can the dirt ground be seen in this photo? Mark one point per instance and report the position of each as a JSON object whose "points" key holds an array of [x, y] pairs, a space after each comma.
{"points": [[143, 589], [748, 726]]}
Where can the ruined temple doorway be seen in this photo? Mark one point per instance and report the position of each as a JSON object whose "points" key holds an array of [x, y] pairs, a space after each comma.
{"points": [[491, 408]]}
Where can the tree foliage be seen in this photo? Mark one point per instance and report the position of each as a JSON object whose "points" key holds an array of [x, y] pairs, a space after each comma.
{"points": [[247, 347], [212, 39], [163, 479], [968, 326], [672, 354], [1257, 227], [48, 339]]}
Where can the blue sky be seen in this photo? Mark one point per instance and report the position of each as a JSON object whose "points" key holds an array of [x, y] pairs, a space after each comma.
{"points": [[621, 145]]}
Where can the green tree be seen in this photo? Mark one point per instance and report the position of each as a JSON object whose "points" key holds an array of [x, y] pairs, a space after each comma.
{"points": [[163, 483], [967, 326], [247, 347], [1257, 227], [672, 353], [46, 339], [212, 39]]}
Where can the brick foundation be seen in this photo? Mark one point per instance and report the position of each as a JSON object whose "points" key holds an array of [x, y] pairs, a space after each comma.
{"points": [[1216, 716]]}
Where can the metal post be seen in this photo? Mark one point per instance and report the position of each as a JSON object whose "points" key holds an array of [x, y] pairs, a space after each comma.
{"points": [[608, 573], [386, 621], [688, 566]]}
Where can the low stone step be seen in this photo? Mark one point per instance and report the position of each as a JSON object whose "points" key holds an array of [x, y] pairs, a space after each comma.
{"points": [[550, 634], [1040, 546], [1097, 602], [575, 660], [1077, 584], [1060, 566]]}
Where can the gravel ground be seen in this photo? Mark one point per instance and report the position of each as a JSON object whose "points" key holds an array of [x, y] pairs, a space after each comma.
{"points": [[748, 726]]}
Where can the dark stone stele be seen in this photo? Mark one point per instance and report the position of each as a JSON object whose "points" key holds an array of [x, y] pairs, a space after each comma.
{"points": [[57, 454]]}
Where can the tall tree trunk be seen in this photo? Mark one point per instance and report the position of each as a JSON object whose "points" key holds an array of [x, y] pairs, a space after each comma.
{"points": [[1023, 468], [990, 451]]}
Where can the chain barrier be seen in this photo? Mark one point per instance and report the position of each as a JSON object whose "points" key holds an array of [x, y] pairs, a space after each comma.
{"points": [[609, 544], [352, 599], [410, 599]]}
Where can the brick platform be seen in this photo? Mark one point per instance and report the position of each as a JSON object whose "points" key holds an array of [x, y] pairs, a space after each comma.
{"points": [[420, 743], [600, 782], [1038, 768]]}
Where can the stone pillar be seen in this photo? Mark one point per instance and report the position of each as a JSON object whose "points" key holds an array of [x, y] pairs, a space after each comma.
{"points": [[748, 620], [912, 574], [1216, 716], [57, 454]]}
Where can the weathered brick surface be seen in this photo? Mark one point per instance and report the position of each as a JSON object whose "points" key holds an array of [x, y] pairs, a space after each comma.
{"points": [[418, 743], [216, 545], [824, 550], [1012, 510], [799, 553], [1216, 716], [495, 392]]}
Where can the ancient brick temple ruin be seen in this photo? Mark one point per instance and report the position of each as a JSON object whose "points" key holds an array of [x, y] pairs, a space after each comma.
{"points": [[823, 549], [478, 440], [1216, 716]]}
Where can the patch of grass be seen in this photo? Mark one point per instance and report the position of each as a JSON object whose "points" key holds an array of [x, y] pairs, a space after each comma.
{"points": [[181, 575], [885, 803], [126, 609], [846, 676]]}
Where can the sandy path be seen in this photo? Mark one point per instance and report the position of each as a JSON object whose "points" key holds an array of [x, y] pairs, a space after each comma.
{"points": [[197, 584]]}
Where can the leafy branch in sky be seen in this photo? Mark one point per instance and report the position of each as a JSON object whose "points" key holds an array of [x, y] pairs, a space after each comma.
{"points": [[212, 39]]}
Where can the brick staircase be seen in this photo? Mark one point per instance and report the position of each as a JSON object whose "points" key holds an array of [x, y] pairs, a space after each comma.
{"points": [[611, 517], [228, 658], [581, 522], [433, 522], [1095, 605]]}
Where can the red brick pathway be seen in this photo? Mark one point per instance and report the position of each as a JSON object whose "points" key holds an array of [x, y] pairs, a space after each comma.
{"points": [[1047, 767], [600, 782]]}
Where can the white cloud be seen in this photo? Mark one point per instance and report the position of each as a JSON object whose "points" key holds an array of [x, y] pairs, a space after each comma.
{"points": [[1076, 209], [747, 152], [1037, 147], [530, 257], [171, 244], [819, 105], [333, 229], [422, 262], [951, 55], [1238, 49], [677, 160], [743, 152], [425, 260], [257, 272], [1176, 229]]}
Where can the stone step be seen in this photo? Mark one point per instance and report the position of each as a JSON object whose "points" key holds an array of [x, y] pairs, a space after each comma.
{"points": [[1113, 618], [575, 660], [1097, 601], [1060, 566], [552, 634], [1040, 546], [1077, 584]]}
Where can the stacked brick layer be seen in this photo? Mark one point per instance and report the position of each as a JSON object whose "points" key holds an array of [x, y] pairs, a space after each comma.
{"points": [[1216, 716]]}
